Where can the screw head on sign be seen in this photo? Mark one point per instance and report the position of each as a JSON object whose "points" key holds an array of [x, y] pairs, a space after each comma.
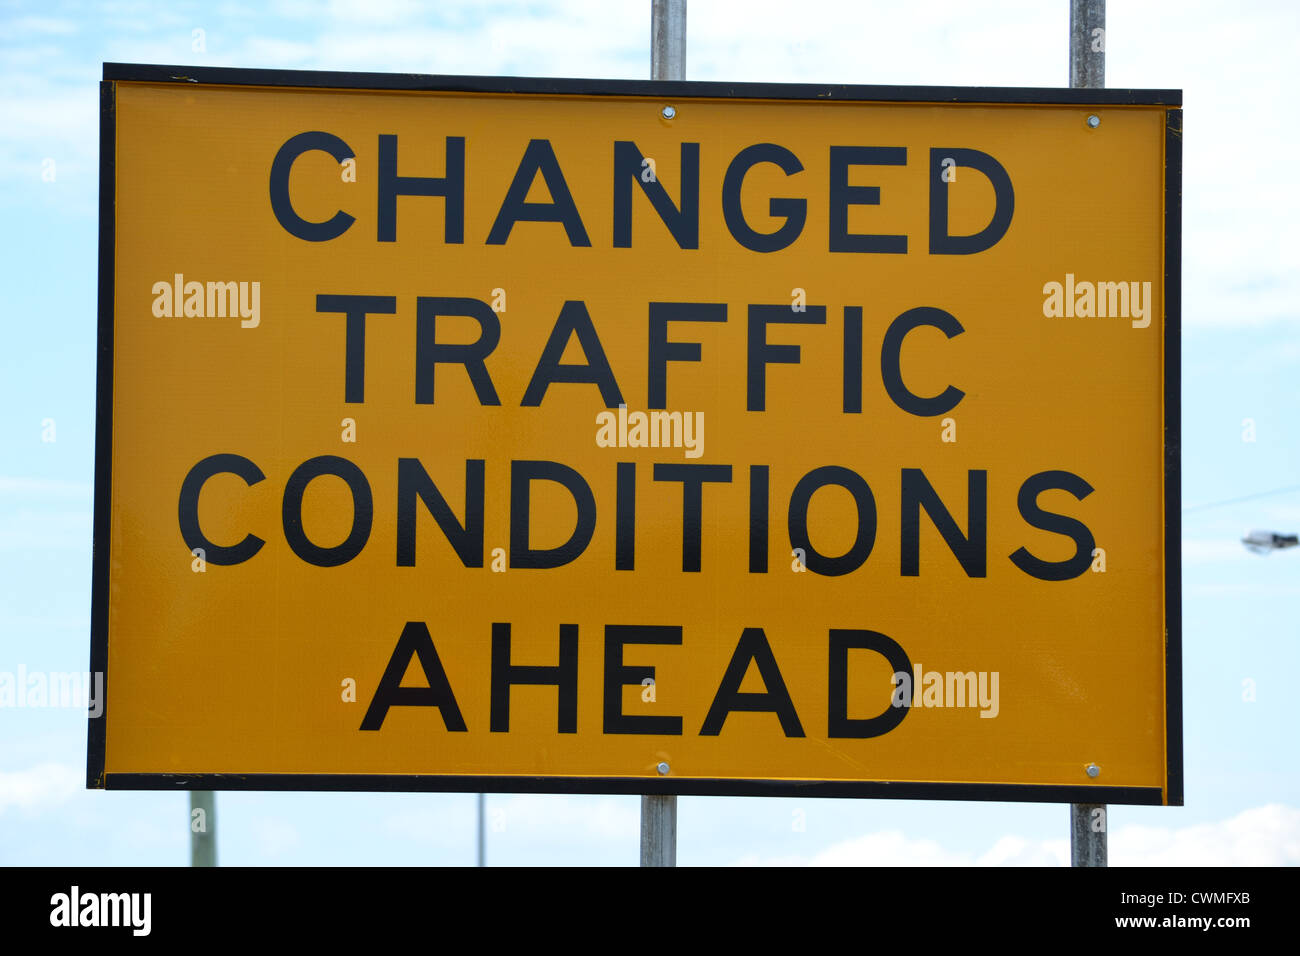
{"points": [[662, 768], [1094, 121], [1093, 770], [669, 112]]}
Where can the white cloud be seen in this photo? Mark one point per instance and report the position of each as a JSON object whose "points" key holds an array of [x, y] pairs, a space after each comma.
{"points": [[893, 848], [40, 787], [606, 818], [1263, 836]]}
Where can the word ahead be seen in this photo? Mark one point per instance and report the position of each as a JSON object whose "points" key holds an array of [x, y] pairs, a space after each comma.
{"points": [[752, 649]]}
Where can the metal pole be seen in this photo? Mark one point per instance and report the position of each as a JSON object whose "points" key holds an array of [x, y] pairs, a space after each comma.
{"points": [[667, 39], [667, 62], [658, 830], [1088, 834], [1087, 44], [203, 828], [1087, 71], [482, 837]]}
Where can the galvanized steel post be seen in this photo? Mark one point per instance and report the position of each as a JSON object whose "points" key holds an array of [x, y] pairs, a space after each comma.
{"points": [[1088, 834], [667, 62], [1087, 44], [203, 828], [658, 830], [1088, 71], [667, 39], [482, 835]]}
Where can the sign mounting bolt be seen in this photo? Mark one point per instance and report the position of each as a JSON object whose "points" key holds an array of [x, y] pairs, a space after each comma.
{"points": [[669, 112], [663, 769], [1093, 770], [1094, 121]]}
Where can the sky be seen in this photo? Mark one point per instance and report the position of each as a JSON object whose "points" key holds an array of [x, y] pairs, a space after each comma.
{"points": [[1237, 68]]}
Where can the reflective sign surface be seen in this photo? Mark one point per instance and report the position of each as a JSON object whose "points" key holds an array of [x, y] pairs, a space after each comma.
{"points": [[781, 442]]}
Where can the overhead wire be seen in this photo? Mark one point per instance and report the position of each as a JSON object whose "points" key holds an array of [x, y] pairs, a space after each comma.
{"points": [[1233, 501]]}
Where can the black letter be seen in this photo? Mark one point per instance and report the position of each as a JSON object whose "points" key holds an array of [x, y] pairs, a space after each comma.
{"points": [[414, 482], [450, 187], [1071, 528], [563, 675], [1004, 203], [692, 478], [415, 641], [574, 320], [618, 675], [795, 211], [282, 206], [363, 511], [355, 307], [761, 354], [684, 224], [661, 351], [853, 359], [839, 723], [891, 372], [969, 549], [188, 508], [842, 195], [758, 519], [625, 516], [797, 521], [753, 646], [522, 474], [428, 353], [538, 157]]}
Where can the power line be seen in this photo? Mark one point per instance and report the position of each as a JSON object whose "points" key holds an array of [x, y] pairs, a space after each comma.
{"points": [[1233, 501]]}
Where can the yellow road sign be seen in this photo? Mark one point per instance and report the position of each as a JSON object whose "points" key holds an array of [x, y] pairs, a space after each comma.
{"points": [[476, 433]]}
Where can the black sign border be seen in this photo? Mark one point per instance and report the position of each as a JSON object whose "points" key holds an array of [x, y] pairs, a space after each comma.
{"points": [[96, 742]]}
